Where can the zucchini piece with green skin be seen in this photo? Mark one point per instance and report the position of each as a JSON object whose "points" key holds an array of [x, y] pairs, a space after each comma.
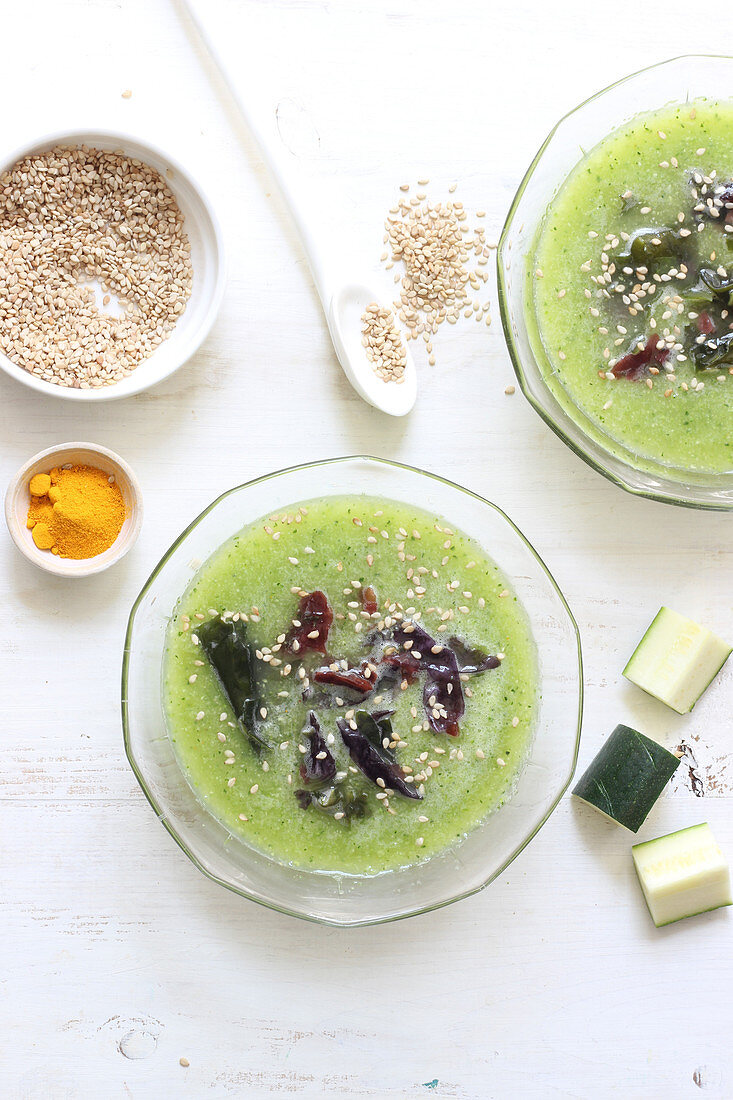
{"points": [[676, 660], [682, 874], [626, 777]]}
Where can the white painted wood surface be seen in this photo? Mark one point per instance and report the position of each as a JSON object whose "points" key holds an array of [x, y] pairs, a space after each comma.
{"points": [[117, 958]]}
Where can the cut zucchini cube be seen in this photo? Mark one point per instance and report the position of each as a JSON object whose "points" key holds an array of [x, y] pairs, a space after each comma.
{"points": [[676, 660], [626, 777], [682, 874]]}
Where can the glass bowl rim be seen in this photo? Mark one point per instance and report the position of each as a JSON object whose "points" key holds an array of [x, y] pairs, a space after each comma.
{"points": [[161, 813], [546, 415]]}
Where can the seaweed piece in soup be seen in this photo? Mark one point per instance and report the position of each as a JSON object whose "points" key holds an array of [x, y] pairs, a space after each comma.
{"points": [[443, 692], [373, 763], [470, 660], [713, 353], [340, 800], [648, 246], [313, 619], [720, 285], [713, 197], [337, 797], [377, 728], [696, 295], [234, 661], [317, 765], [443, 697]]}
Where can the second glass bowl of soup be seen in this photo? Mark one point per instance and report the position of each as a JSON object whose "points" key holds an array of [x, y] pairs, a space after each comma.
{"points": [[613, 271]]}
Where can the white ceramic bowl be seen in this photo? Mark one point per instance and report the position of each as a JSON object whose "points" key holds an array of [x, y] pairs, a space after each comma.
{"points": [[207, 259], [18, 497]]}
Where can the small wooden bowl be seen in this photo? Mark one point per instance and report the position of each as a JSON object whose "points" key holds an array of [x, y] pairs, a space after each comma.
{"points": [[18, 498]]}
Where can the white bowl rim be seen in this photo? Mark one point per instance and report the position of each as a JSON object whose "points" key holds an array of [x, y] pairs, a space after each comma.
{"points": [[80, 136]]}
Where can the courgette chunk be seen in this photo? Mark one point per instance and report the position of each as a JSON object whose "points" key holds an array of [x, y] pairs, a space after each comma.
{"points": [[626, 777], [682, 874], [676, 660]]}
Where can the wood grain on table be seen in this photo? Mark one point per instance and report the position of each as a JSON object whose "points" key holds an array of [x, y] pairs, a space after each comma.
{"points": [[117, 958]]}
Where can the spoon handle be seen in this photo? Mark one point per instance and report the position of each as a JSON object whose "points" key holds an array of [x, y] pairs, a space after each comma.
{"points": [[299, 193]]}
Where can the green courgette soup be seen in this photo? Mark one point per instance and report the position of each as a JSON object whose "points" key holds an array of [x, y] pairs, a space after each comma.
{"points": [[631, 283], [350, 685]]}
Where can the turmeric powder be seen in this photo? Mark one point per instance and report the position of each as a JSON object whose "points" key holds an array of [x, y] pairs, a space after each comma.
{"points": [[75, 511]]}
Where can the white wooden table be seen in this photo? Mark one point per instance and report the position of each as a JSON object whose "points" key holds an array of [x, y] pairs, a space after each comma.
{"points": [[117, 958]]}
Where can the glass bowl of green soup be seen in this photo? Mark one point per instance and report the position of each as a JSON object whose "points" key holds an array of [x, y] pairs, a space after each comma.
{"points": [[615, 271], [352, 691]]}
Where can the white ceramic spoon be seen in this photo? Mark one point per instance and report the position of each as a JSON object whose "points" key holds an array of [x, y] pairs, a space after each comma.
{"points": [[344, 300]]}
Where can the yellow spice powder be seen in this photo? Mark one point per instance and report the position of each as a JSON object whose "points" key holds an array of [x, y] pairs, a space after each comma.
{"points": [[75, 511]]}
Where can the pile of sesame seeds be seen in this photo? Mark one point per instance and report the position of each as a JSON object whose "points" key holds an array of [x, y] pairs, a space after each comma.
{"points": [[71, 217], [384, 346], [444, 261]]}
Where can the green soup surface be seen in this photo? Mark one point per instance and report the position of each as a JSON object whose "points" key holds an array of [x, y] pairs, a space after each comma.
{"points": [[632, 335], [422, 574]]}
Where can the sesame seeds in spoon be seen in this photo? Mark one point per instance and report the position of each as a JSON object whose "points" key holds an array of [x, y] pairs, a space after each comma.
{"points": [[372, 353]]}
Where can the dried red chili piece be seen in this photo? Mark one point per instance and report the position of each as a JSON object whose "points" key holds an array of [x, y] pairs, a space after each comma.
{"points": [[352, 678], [315, 618], [635, 364], [317, 765]]}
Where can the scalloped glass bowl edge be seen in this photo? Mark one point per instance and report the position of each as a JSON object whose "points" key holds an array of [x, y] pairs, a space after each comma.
{"points": [[336, 899]]}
